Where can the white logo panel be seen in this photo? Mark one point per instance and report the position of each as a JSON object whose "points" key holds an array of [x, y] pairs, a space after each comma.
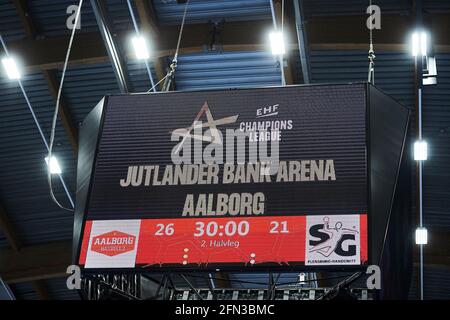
{"points": [[113, 244], [332, 240]]}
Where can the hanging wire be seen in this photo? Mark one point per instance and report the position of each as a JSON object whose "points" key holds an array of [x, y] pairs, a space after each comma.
{"points": [[371, 73], [174, 64], [282, 33], [181, 31], [55, 114], [41, 133], [136, 28], [164, 78]]}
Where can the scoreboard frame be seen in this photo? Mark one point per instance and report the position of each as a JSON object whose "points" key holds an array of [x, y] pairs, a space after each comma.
{"points": [[377, 119]]}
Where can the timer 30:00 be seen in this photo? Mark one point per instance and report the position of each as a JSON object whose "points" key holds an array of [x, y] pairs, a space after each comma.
{"points": [[212, 229]]}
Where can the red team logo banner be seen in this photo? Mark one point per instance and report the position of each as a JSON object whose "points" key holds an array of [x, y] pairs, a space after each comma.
{"points": [[312, 240]]}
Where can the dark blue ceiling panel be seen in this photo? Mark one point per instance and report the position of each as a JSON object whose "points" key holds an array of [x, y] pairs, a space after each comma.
{"points": [[436, 118], [10, 25], [49, 17], [23, 184], [24, 291], [57, 289], [436, 281], [86, 85], [354, 7], [436, 6], [120, 15], [394, 72], [212, 70], [139, 77], [201, 11]]}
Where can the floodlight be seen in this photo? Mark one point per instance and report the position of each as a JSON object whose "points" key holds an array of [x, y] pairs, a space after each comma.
{"points": [[419, 43], [420, 150], [421, 235], [140, 48], [277, 43], [11, 68], [53, 166]]}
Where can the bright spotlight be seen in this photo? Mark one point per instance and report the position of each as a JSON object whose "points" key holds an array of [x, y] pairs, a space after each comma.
{"points": [[301, 278], [420, 150], [140, 48], [421, 235], [277, 43], [423, 43], [419, 43], [11, 68], [53, 166]]}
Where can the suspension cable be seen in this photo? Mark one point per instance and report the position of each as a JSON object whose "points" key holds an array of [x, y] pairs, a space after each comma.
{"points": [[371, 56], [56, 112], [174, 63], [181, 31]]}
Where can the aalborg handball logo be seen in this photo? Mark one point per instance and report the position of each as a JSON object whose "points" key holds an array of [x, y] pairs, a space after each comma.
{"points": [[113, 243], [333, 240]]}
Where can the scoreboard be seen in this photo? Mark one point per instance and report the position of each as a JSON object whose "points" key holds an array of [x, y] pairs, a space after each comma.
{"points": [[248, 179]]}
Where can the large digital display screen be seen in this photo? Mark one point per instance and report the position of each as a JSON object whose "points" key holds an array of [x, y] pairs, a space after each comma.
{"points": [[239, 179]]}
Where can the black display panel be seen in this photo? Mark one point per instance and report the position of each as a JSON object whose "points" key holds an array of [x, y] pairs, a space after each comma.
{"points": [[148, 209]]}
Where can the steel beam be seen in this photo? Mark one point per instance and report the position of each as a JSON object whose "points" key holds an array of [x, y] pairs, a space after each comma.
{"points": [[5, 291], [286, 61], [41, 289], [25, 18], [16, 245], [8, 230], [147, 17], [346, 34], [302, 40], [119, 65], [44, 261]]}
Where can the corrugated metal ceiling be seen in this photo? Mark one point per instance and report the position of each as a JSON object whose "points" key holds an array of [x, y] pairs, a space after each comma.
{"points": [[23, 188], [436, 284], [436, 117], [201, 11], [227, 70], [353, 7], [50, 17], [10, 26]]}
